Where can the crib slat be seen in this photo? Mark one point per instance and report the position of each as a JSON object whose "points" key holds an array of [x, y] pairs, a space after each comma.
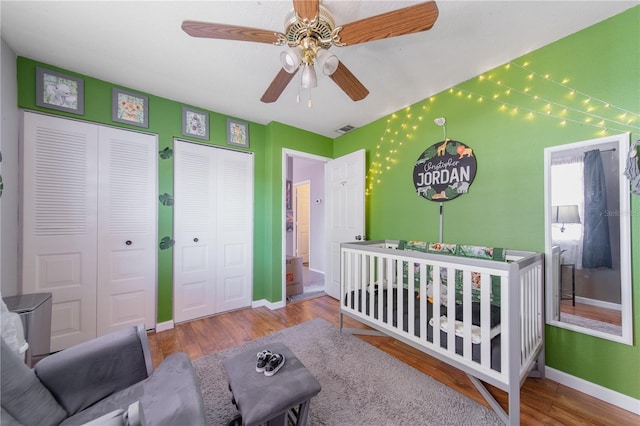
{"points": [[423, 302], [411, 286], [485, 320], [377, 274], [504, 324], [372, 282], [346, 274], [362, 281], [525, 315], [451, 310], [435, 331], [400, 300], [390, 290], [466, 314]]}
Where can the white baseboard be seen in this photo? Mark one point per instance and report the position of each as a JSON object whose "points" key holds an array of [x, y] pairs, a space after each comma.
{"points": [[610, 396], [599, 303], [265, 302], [163, 326]]}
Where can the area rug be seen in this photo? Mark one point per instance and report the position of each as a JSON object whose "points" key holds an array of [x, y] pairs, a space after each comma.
{"points": [[361, 385], [604, 327]]}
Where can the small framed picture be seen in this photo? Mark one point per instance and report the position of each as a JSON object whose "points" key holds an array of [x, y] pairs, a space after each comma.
{"points": [[59, 91], [130, 108], [195, 123], [237, 133]]}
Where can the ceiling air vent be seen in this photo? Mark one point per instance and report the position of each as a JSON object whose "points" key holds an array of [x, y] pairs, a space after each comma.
{"points": [[345, 129]]}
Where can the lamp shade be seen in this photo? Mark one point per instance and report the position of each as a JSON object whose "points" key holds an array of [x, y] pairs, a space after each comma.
{"points": [[327, 62], [309, 78], [291, 59], [566, 214]]}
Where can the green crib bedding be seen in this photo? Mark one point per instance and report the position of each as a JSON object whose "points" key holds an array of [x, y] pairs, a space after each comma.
{"points": [[459, 250]]}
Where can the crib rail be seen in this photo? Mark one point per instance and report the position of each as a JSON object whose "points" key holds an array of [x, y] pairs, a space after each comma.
{"points": [[378, 284]]}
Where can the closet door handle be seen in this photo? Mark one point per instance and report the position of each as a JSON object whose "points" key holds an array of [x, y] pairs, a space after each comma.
{"points": [[195, 240], [128, 242]]}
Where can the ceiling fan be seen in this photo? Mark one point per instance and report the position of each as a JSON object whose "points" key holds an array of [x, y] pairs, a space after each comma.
{"points": [[310, 31]]}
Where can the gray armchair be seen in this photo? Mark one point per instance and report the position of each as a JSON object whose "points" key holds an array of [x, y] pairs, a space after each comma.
{"points": [[108, 380]]}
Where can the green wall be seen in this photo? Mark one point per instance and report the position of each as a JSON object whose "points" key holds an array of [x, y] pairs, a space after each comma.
{"points": [[508, 115], [165, 117]]}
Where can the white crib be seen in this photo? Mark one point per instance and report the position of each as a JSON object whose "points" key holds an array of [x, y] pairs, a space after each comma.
{"points": [[501, 350]]}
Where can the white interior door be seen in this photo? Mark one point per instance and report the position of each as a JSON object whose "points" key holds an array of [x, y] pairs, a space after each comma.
{"points": [[301, 221], [235, 230], [194, 252], [60, 171], [127, 229], [345, 214]]}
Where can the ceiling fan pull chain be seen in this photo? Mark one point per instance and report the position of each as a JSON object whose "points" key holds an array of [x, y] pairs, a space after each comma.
{"points": [[309, 104]]}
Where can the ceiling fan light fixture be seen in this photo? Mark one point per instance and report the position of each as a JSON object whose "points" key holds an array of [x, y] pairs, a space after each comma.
{"points": [[328, 62], [291, 59], [309, 78]]}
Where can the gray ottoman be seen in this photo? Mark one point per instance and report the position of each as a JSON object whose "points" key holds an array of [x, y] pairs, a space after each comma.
{"points": [[274, 400]]}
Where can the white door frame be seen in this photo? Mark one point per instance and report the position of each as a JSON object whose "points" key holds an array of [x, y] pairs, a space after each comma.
{"points": [[286, 152]]}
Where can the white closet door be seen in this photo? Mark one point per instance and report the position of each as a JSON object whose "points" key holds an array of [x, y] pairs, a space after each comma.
{"points": [[235, 230], [59, 222], [127, 229], [194, 223]]}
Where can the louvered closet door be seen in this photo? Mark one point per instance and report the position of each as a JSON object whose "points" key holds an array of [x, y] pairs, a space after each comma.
{"points": [[59, 222], [235, 230], [194, 224], [127, 229], [213, 230]]}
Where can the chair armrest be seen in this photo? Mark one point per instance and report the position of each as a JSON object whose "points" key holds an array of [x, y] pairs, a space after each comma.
{"points": [[86, 373]]}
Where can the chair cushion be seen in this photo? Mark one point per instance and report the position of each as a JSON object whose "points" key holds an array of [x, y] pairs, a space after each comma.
{"points": [[22, 394], [83, 374]]}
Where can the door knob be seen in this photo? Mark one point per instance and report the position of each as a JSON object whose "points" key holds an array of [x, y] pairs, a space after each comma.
{"points": [[195, 240], [128, 242]]}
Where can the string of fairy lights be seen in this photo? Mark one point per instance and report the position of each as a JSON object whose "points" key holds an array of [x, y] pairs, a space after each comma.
{"points": [[569, 105]]}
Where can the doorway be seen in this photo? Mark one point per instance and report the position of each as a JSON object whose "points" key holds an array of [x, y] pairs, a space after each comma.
{"points": [[303, 233]]}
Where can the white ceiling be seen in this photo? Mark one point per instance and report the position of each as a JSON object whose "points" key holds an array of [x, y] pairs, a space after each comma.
{"points": [[140, 45]]}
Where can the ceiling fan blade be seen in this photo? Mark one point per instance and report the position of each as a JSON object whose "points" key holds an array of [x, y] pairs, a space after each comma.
{"points": [[277, 86], [306, 9], [412, 19], [231, 32], [349, 83]]}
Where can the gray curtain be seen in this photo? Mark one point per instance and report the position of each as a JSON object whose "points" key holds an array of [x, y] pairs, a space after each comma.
{"points": [[596, 246]]}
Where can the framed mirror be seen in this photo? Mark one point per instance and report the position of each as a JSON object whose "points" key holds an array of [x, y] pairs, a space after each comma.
{"points": [[587, 238]]}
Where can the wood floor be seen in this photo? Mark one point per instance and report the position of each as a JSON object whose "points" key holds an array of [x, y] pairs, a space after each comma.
{"points": [[543, 401], [611, 316]]}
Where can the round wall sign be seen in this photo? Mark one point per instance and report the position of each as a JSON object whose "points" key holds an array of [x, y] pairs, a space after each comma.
{"points": [[444, 171]]}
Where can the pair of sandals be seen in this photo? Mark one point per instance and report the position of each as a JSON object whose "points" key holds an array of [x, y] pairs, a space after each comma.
{"points": [[269, 363]]}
